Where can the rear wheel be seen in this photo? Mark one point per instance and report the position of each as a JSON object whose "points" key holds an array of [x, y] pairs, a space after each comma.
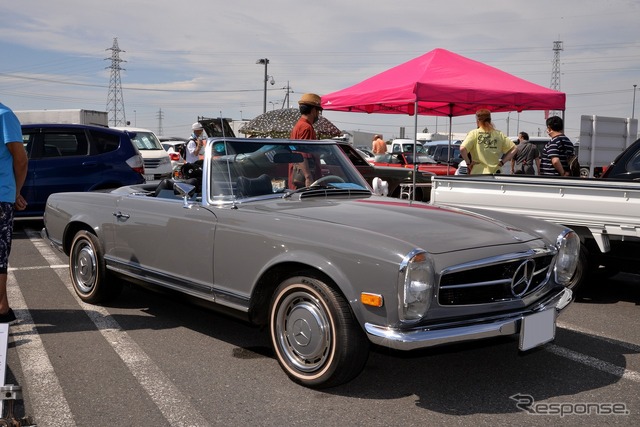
{"points": [[584, 172], [316, 339], [87, 269]]}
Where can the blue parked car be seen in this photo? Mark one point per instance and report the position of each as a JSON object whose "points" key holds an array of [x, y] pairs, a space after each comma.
{"points": [[69, 157]]}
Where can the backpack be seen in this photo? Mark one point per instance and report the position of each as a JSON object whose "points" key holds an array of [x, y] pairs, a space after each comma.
{"points": [[574, 165], [572, 159]]}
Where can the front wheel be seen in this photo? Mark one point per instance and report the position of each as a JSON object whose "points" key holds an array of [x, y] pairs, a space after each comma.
{"points": [[87, 269], [315, 336]]}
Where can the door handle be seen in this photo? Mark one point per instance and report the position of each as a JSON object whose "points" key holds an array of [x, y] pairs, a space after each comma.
{"points": [[120, 215]]}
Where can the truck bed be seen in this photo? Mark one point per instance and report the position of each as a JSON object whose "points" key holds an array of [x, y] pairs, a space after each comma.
{"points": [[605, 208]]}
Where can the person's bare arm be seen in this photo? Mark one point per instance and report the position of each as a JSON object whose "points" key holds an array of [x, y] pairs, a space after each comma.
{"points": [[555, 161], [20, 164]]}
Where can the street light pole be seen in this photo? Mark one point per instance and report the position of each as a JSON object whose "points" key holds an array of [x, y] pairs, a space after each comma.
{"points": [[264, 61], [633, 109]]}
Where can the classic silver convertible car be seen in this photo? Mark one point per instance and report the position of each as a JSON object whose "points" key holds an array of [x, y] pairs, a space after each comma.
{"points": [[288, 235]]}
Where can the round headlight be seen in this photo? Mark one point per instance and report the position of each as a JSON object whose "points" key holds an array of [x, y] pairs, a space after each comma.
{"points": [[415, 286], [568, 245]]}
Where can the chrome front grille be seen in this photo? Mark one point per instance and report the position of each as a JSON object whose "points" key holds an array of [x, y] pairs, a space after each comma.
{"points": [[490, 283]]}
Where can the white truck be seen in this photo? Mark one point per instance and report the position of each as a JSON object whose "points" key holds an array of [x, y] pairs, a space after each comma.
{"points": [[605, 213], [71, 116], [601, 140]]}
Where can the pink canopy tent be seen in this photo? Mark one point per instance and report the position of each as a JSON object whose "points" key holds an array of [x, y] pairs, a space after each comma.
{"points": [[442, 83]]}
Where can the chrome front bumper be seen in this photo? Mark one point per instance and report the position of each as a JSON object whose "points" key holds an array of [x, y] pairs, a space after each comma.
{"points": [[434, 335]]}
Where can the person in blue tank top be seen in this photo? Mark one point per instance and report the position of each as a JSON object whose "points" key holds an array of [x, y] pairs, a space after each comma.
{"points": [[13, 172]]}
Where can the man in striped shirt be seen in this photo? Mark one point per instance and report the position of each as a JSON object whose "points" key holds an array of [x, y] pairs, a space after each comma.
{"points": [[557, 150]]}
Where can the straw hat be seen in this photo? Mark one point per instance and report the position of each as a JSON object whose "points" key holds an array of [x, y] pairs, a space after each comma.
{"points": [[311, 99]]}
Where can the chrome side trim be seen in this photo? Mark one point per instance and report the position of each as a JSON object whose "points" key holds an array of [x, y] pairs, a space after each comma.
{"points": [[203, 291], [433, 335]]}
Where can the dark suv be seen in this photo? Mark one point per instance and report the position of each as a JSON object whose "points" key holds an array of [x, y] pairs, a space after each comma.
{"points": [[66, 157], [446, 153], [626, 166]]}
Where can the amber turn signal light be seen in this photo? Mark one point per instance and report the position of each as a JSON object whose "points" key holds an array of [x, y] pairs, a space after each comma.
{"points": [[373, 300]]}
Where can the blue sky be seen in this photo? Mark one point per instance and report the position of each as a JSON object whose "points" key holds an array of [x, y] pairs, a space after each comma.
{"points": [[198, 57]]}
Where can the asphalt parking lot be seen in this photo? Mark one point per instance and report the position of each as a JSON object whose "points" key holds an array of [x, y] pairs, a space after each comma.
{"points": [[153, 358]]}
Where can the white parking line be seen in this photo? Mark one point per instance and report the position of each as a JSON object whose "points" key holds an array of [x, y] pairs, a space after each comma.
{"points": [[45, 394], [38, 267], [630, 346], [173, 405], [592, 362]]}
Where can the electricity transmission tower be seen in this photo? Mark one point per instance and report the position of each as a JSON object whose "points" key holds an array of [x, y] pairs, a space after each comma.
{"points": [[115, 101], [555, 72], [160, 117]]}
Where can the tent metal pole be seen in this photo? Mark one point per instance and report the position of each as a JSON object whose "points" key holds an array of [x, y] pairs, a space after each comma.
{"points": [[450, 137], [415, 146]]}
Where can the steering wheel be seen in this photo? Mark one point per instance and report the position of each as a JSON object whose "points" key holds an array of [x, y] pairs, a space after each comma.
{"points": [[327, 179]]}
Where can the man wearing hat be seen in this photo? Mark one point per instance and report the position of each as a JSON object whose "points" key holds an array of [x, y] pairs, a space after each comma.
{"points": [[311, 109], [196, 143]]}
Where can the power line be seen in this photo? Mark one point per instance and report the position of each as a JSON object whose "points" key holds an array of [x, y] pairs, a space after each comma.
{"points": [[133, 88]]}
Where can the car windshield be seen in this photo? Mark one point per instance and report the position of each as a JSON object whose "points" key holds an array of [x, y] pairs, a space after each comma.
{"points": [[453, 152], [409, 148], [174, 145], [146, 141], [243, 168]]}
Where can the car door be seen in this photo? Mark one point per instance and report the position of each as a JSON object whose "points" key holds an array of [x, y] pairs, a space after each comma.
{"points": [[162, 241], [57, 163]]}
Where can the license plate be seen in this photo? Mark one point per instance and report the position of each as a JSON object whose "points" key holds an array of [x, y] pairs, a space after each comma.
{"points": [[148, 177], [537, 329]]}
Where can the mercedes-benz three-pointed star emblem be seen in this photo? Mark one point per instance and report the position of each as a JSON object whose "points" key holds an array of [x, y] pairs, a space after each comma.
{"points": [[522, 278]]}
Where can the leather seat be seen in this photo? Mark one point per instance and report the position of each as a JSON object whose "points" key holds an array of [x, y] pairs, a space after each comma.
{"points": [[249, 187]]}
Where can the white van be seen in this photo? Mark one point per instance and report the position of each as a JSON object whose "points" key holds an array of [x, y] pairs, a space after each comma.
{"points": [[157, 163], [401, 145]]}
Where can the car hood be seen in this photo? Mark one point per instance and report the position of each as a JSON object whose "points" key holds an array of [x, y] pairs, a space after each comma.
{"points": [[433, 228]]}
